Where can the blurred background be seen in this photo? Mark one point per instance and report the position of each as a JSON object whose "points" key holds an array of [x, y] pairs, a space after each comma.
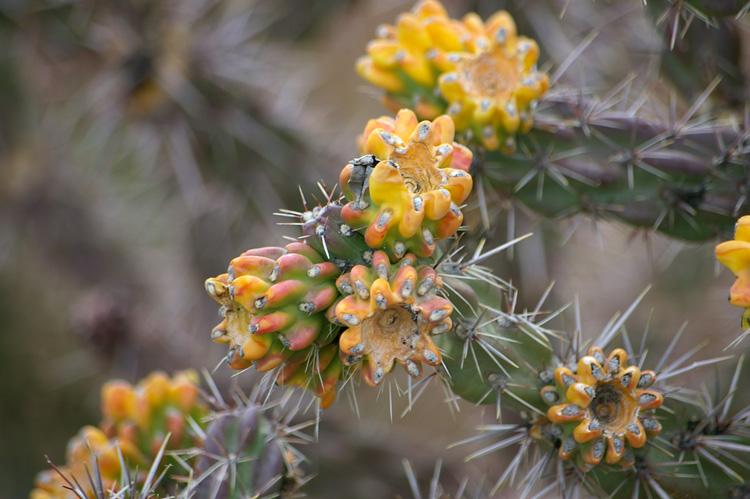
{"points": [[144, 144]]}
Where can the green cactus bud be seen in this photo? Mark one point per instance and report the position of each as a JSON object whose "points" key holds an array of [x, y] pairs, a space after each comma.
{"points": [[243, 456]]}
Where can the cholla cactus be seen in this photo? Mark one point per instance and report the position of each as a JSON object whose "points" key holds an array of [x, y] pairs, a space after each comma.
{"points": [[408, 187], [482, 74], [245, 455], [372, 281], [686, 176]]}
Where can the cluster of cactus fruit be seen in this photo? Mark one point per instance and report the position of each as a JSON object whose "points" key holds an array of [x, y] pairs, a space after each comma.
{"points": [[564, 151], [309, 311], [139, 423], [373, 281], [153, 430], [483, 75]]}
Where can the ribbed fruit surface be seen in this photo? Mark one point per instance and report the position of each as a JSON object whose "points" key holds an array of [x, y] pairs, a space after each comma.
{"points": [[392, 311], [407, 188]]}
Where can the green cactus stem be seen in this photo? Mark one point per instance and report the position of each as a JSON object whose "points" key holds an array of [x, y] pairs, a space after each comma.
{"points": [[687, 178], [243, 456], [492, 355]]}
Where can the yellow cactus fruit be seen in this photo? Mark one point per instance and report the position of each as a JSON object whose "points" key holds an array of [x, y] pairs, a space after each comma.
{"points": [[157, 405], [735, 255], [273, 309], [392, 312], [603, 409], [184, 391], [492, 87], [118, 400], [90, 444], [483, 74], [136, 420], [408, 186]]}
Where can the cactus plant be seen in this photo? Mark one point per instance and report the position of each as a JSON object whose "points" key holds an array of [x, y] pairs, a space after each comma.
{"points": [[243, 456], [386, 273]]}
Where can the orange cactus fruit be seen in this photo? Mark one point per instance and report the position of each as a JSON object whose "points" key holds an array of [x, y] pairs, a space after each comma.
{"points": [[392, 312], [602, 409], [88, 445], [483, 74], [143, 414], [273, 304], [136, 419], [407, 188], [735, 255]]}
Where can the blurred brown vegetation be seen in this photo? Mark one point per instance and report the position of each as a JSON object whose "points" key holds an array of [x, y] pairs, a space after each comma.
{"points": [[144, 144]]}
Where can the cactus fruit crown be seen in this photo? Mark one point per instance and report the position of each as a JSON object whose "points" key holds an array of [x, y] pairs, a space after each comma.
{"points": [[407, 188], [391, 312], [493, 87], [605, 407]]}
